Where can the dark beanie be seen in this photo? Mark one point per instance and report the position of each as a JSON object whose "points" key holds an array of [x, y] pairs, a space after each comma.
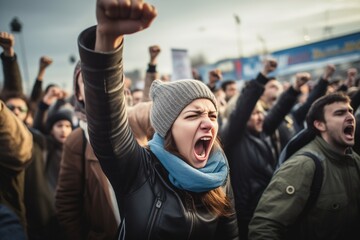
{"points": [[62, 114]]}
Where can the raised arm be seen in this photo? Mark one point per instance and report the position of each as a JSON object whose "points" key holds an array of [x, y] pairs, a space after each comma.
{"points": [[101, 56], [151, 73], [37, 90], [319, 90], [54, 96], [236, 124], [11, 70], [284, 104]]}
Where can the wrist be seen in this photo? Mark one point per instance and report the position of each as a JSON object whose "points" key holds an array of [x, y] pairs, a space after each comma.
{"points": [[151, 68], [105, 43], [9, 52]]}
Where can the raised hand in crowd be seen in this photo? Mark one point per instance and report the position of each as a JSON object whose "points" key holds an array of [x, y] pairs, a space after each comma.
{"points": [[328, 72], [350, 77], [151, 72], [44, 62], [154, 52], [7, 42], [215, 76], [53, 94], [116, 20], [37, 91], [12, 76], [301, 79], [269, 65]]}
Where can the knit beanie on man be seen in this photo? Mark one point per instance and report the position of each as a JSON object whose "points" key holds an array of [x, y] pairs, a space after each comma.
{"points": [[62, 114], [170, 98]]}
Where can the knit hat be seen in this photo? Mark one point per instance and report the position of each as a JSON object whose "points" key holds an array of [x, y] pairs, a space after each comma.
{"points": [[62, 114], [170, 98]]}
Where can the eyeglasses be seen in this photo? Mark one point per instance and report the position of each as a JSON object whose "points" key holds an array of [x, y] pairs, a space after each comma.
{"points": [[20, 108]]}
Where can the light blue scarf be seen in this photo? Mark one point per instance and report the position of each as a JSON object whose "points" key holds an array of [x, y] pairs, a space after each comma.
{"points": [[186, 177]]}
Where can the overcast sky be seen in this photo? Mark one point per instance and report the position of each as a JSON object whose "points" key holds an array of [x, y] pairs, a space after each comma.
{"points": [[205, 27]]}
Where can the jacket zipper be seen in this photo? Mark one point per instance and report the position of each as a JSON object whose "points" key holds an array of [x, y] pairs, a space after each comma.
{"points": [[158, 204], [190, 206]]}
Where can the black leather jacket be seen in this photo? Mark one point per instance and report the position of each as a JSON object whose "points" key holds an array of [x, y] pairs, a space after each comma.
{"points": [[150, 205]]}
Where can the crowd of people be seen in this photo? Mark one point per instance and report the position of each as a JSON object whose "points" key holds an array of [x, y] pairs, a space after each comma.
{"points": [[177, 159]]}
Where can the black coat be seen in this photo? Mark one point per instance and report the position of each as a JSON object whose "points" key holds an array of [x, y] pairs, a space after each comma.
{"points": [[252, 156]]}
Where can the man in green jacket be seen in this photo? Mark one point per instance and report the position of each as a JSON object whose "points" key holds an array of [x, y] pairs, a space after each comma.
{"points": [[335, 214]]}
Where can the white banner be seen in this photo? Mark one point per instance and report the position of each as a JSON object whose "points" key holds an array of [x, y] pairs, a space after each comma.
{"points": [[181, 64]]}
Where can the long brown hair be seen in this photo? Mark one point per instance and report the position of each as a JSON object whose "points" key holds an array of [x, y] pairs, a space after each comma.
{"points": [[215, 200]]}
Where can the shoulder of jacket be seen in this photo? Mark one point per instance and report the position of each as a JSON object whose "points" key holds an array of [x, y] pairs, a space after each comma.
{"points": [[306, 157], [74, 141]]}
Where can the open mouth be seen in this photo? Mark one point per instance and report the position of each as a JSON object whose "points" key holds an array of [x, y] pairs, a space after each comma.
{"points": [[202, 147], [349, 131]]}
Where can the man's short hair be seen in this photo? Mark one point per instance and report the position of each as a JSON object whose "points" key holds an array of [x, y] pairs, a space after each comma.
{"points": [[316, 111], [227, 83], [136, 90]]}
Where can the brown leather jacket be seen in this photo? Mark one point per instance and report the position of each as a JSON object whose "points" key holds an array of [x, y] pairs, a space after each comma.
{"points": [[15, 154], [83, 203]]}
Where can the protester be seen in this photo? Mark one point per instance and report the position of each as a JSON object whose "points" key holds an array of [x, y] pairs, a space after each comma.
{"points": [[151, 72], [230, 88], [15, 154], [37, 91], [281, 213], [11, 70], [85, 201], [42, 174], [13, 84], [247, 144], [136, 95], [177, 187]]}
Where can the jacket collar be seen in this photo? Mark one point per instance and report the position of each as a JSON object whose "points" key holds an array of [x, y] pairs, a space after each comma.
{"points": [[330, 153]]}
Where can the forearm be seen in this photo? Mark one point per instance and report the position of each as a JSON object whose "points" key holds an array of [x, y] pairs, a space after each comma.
{"points": [[36, 92], [109, 131], [278, 112], [318, 91], [245, 104], [151, 75], [12, 75], [39, 117]]}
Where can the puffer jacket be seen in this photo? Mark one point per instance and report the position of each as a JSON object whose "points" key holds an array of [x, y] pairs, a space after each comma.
{"points": [[150, 206]]}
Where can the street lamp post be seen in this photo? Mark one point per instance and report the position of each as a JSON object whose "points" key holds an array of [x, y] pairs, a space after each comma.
{"points": [[238, 33], [263, 44], [16, 27]]}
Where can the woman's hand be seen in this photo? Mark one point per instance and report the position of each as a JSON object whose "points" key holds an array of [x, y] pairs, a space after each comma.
{"points": [[118, 17]]}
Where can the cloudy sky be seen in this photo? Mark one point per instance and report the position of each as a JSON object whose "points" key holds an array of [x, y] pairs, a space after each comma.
{"points": [[206, 27]]}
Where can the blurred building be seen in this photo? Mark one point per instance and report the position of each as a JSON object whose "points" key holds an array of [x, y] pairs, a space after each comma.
{"points": [[342, 51]]}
